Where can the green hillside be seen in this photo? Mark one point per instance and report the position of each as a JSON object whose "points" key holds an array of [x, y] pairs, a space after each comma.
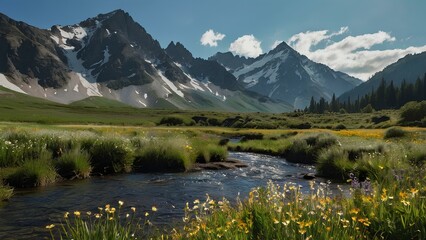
{"points": [[99, 102]]}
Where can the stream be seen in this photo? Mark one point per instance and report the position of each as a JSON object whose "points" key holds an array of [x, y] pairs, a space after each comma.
{"points": [[29, 210]]}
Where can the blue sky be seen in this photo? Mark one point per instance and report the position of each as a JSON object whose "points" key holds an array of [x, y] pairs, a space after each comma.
{"points": [[397, 24]]}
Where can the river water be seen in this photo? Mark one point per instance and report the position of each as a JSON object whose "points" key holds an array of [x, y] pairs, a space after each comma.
{"points": [[26, 214]]}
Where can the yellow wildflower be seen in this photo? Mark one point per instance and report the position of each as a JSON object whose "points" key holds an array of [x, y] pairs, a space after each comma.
{"points": [[414, 191], [50, 226], [66, 214], [120, 203], [354, 211], [406, 203], [77, 213], [133, 209], [403, 195]]}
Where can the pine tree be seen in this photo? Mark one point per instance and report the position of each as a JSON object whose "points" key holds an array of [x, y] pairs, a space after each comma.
{"points": [[333, 106], [391, 98]]}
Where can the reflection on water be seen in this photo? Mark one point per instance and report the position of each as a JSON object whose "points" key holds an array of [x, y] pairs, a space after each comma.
{"points": [[29, 211]]}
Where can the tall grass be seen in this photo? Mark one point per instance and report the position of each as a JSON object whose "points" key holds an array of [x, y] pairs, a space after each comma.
{"points": [[74, 163], [334, 163], [307, 149], [209, 152], [110, 155], [265, 146], [34, 173], [169, 155]]}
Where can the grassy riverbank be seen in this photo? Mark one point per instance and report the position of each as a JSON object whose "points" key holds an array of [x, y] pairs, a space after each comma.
{"points": [[42, 156], [387, 199], [386, 168]]}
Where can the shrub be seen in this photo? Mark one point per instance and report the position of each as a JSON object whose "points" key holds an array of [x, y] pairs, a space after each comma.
{"points": [[74, 163], [333, 163], [289, 134], [34, 173], [260, 124], [163, 156], [377, 119], [368, 109], [223, 141], [340, 127], [417, 155], [171, 121], [413, 111], [394, 132], [213, 122], [252, 136], [110, 156], [304, 125]]}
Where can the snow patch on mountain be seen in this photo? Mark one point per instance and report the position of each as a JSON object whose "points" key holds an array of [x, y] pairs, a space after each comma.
{"points": [[106, 55], [92, 88], [5, 83], [283, 55], [273, 90], [170, 84], [196, 85], [143, 104]]}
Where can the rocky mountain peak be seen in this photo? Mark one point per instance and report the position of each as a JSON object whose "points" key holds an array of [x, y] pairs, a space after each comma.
{"points": [[179, 53], [231, 61], [282, 46]]}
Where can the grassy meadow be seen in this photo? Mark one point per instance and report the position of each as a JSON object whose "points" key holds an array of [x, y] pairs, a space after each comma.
{"points": [[381, 156]]}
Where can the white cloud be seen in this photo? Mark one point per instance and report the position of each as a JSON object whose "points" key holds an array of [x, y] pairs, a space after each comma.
{"points": [[211, 38], [353, 54], [303, 42], [247, 46], [275, 44]]}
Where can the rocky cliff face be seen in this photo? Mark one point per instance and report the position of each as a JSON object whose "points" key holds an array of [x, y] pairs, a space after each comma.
{"points": [[201, 69], [27, 52], [230, 61]]}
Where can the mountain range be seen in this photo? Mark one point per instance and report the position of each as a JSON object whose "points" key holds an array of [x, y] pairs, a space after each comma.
{"points": [[408, 69], [285, 74], [112, 56]]}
